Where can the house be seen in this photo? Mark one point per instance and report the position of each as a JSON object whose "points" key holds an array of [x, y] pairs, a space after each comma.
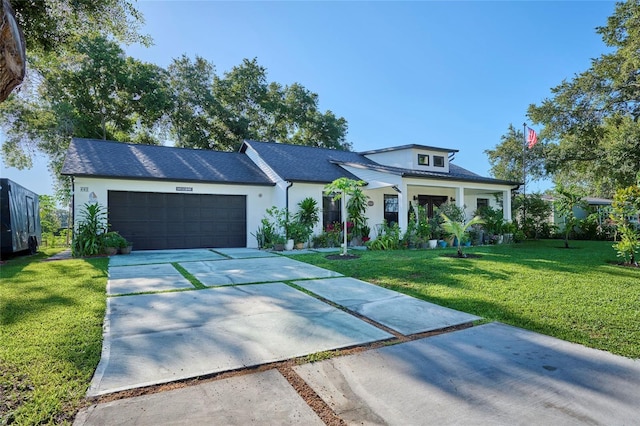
{"points": [[166, 197], [601, 206]]}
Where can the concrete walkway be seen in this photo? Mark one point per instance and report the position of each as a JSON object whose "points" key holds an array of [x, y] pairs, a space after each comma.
{"points": [[486, 374]]}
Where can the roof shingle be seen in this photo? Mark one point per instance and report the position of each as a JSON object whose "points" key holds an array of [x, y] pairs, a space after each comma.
{"points": [[99, 158]]}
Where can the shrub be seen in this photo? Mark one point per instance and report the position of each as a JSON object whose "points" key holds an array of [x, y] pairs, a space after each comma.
{"points": [[93, 223], [388, 238]]}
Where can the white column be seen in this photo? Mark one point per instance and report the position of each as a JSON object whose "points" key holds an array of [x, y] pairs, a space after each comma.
{"points": [[460, 197], [403, 207], [506, 205]]}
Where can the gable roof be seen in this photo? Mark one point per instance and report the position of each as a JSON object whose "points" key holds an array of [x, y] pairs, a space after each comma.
{"points": [[100, 158], [301, 163]]}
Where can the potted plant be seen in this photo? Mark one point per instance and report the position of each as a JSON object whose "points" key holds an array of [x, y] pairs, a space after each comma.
{"points": [[299, 233], [111, 242], [278, 242], [125, 246]]}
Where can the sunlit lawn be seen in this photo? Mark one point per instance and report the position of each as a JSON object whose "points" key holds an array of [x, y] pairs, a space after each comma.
{"points": [[51, 316], [576, 294]]}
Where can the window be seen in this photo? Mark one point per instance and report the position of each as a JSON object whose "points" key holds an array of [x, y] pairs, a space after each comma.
{"points": [[330, 211], [482, 203], [391, 209], [438, 161], [423, 159]]}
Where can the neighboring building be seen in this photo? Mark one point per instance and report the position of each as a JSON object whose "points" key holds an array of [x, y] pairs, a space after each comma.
{"points": [[165, 197], [601, 206]]}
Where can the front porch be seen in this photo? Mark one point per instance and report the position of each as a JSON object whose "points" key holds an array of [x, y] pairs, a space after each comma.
{"points": [[392, 202]]}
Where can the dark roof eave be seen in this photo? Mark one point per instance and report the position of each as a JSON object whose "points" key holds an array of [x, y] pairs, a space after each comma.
{"points": [[409, 146], [462, 178], [166, 179]]}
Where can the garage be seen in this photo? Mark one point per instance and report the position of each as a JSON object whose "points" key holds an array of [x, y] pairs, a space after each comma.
{"points": [[152, 220]]}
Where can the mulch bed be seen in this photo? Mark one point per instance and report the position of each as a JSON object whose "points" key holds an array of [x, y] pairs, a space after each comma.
{"points": [[466, 256], [342, 257]]}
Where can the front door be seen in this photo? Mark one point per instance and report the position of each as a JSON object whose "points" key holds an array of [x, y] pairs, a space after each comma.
{"points": [[430, 202]]}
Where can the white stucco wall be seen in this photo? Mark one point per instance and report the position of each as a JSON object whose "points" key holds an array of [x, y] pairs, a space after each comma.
{"points": [[259, 198], [408, 159]]}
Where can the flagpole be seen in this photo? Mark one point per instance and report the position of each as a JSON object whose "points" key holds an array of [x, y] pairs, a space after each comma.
{"points": [[524, 173]]}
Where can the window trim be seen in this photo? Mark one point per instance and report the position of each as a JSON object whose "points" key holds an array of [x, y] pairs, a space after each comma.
{"points": [[423, 159], [435, 160]]}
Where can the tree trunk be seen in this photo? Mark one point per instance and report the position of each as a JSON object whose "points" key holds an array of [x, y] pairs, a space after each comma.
{"points": [[13, 57]]}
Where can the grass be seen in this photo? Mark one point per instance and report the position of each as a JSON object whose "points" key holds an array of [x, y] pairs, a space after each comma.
{"points": [[51, 316], [576, 294]]}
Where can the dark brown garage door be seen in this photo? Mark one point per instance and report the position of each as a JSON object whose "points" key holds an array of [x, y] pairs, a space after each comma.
{"points": [[164, 221]]}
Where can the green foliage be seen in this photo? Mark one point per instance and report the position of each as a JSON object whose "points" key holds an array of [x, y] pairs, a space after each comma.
{"points": [[575, 295], [53, 25], [629, 244], [51, 316], [459, 229], [298, 232], [493, 220], [113, 239], [220, 112], [356, 208], [49, 220], [506, 158], [330, 237], [92, 91], [410, 237], [345, 187], [423, 229], [592, 119], [308, 212], [452, 211], [388, 238], [536, 212], [87, 240], [626, 205], [568, 199]]}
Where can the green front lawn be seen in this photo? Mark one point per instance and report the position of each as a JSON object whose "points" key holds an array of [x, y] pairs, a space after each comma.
{"points": [[577, 294], [51, 316]]}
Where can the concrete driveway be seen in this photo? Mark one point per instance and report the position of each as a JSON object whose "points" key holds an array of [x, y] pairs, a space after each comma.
{"points": [[245, 308]]}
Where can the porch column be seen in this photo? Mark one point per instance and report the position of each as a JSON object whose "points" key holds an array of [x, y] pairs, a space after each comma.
{"points": [[403, 206], [506, 205], [460, 197]]}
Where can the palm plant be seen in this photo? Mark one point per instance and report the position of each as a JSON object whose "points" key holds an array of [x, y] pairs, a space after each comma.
{"points": [[459, 229]]}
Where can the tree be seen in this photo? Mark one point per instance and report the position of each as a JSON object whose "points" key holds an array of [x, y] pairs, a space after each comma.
{"points": [[592, 119], [270, 111], [55, 25], [538, 210], [343, 188], [49, 220], [94, 92], [626, 205], [506, 158], [568, 199], [459, 229], [197, 119]]}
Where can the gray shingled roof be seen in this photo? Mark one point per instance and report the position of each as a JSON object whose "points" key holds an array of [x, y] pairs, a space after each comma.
{"points": [[99, 158], [300, 163], [455, 173]]}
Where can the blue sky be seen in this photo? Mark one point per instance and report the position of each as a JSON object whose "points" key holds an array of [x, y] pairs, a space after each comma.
{"points": [[449, 74]]}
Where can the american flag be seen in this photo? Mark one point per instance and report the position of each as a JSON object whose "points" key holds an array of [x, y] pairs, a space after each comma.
{"points": [[532, 139]]}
